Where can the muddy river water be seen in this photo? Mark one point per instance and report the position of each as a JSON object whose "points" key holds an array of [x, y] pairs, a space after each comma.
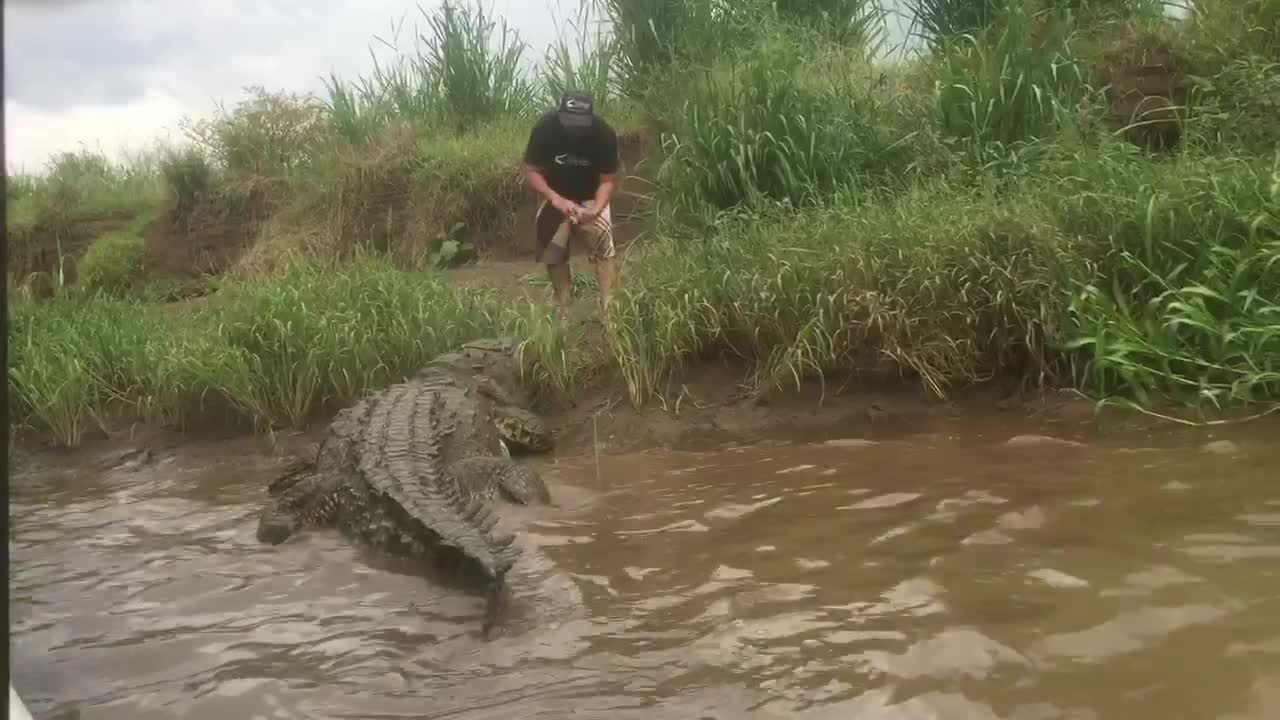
{"points": [[939, 575]]}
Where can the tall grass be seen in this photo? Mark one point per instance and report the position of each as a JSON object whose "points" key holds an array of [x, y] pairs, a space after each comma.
{"points": [[79, 186], [586, 64], [273, 353], [1166, 282], [74, 361], [655, 36], [948, 287], [466, 68], [765, 132], [477, 82], [857, 23], [313, 337], [1188, 303], [1011, 83], [1232, 28], [938, 22]]}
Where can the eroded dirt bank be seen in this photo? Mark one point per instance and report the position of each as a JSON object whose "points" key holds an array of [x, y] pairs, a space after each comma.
{"points": [[707, 409]]}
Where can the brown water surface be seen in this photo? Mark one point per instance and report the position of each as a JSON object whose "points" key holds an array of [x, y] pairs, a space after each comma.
{"points": [[936, 576]]}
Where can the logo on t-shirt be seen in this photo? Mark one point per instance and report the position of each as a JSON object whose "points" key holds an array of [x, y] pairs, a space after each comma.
{"points": [[567, 159]]}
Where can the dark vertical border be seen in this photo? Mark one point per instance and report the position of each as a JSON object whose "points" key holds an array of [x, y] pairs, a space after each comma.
{"points": [[4, 346]]}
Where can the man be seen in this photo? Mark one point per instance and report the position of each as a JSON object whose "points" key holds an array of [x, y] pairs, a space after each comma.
{"points": [[571, 160]]}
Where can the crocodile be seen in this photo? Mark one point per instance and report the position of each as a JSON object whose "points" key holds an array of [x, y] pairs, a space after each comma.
{"points": [[413, 469]]}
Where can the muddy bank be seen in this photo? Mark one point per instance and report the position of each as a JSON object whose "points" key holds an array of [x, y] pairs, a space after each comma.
{"points": [[706, 409], [710, 407]]}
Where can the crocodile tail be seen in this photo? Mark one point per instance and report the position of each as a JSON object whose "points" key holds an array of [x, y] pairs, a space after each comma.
{"points": [[475, 512], [493, 607]]}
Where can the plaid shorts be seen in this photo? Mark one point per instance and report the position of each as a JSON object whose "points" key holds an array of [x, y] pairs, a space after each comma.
{"points": [[554, 232]]}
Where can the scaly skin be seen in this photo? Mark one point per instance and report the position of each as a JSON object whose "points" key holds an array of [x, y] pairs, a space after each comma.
{"points": [[410, 470]]}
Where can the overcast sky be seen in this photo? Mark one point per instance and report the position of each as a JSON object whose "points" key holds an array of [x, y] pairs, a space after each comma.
{"points": [[113, 73], [119, 74]]}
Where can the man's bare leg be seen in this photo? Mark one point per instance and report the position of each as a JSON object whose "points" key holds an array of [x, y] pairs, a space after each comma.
{"points": [[561, 286], [607, 277]]}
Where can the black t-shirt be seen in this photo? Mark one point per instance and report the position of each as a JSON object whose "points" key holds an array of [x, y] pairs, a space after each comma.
{"points": [[572, 166]]}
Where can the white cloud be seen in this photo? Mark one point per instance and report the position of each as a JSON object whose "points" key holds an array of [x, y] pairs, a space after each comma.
{"points": [[71, 82], [33, 135]]}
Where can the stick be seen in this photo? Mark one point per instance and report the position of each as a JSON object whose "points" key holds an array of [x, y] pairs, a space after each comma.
{"points": [[595, 443]]}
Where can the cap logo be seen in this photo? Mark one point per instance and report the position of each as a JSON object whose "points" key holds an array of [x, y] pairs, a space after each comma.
{"points": [[572, 103]]}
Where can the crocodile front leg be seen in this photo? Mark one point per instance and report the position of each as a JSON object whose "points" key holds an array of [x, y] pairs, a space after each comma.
{"points": [[484, 475], [276, 524], [306, 501]]}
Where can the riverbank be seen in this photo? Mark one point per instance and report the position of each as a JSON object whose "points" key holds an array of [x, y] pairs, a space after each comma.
{"points": [[992, 213], [704, 407]]}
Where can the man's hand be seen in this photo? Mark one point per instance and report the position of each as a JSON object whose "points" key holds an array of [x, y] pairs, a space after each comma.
{"points": [[586, 214], [566, 207]]}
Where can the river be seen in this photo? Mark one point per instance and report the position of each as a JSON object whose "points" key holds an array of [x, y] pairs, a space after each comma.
{"points": [[939, 575]]}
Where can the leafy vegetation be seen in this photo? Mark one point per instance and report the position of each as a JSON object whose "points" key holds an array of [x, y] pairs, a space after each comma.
{"points": [[979, 211], [115, 263]]}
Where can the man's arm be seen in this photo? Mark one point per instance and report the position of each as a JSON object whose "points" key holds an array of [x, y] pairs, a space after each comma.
{"points": [[610, 164], [534, 158], [604, 194], [538, 182]]}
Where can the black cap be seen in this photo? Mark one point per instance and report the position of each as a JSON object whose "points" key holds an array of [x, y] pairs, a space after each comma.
{"points": [[577, 110]]}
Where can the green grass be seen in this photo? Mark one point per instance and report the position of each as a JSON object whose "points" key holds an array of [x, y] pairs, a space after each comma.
{"points": [[761, 131], [1189, 306], [76, 359], [1000, 86], [965, 216], [115, 263], [51, 210], [950, 286], [272, 353]]}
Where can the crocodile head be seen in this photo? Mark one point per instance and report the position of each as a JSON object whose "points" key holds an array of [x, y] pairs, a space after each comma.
{"points": [[522, 429]]}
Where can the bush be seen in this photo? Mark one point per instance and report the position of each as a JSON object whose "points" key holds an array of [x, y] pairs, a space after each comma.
{"points": [[268, 135], [189, 178], [114, 263]]}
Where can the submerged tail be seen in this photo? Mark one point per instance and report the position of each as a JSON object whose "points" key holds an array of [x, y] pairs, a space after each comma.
{"points": [[495, 604]]}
